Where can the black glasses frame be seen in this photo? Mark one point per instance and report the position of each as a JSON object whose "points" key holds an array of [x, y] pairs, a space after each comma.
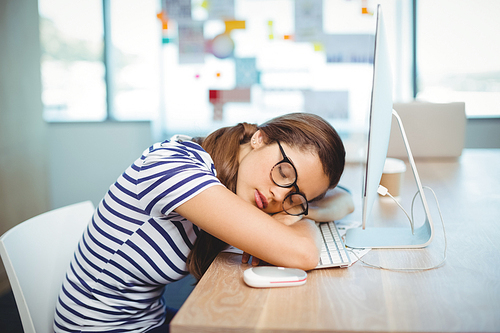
{"points": [[294, 184]]}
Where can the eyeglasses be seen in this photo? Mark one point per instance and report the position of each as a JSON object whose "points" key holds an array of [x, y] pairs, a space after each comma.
{"points": [[284, 175]]}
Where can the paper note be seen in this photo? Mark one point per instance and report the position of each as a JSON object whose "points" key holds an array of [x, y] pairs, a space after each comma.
{"points": [[177, 9], [349, 48], [308, 20], [219, 97], [220, 9], [246, 72], [327, 104], [191, 42]]}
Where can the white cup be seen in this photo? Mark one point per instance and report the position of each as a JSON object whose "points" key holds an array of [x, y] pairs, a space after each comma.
{"points": [[392, 176]]}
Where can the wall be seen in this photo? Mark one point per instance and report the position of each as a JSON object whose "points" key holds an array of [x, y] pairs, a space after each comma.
{"points": [[45, 166], [86, 158], [482, 133], [24, 188]]}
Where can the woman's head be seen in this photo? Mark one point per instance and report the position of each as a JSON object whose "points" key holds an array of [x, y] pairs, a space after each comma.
{"points": [[303, 146], [304, 131], [309, 132]]}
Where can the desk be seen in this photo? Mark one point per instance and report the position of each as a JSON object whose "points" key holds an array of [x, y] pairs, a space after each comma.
{"points": [[463, 295]]}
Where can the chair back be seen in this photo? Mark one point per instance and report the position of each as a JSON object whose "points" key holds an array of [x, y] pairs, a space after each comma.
{"points": [[36, 254], [434, 130]]}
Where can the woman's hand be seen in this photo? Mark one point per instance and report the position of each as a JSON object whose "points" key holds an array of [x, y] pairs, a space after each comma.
{"points": [[283, 218], [245, 259], [336, 204]]}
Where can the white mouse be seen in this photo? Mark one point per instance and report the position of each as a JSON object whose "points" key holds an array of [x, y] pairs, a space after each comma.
{"points": [[271, 276]]}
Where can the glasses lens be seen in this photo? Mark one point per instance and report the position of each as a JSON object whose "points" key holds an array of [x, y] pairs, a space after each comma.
{"points": [[295, 204], [283, 174]]}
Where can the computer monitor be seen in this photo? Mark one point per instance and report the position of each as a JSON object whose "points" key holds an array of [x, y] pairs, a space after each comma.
{"points": [[381, 113]]}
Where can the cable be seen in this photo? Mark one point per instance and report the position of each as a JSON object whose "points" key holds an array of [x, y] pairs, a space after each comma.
{"points": [[384, 190]]}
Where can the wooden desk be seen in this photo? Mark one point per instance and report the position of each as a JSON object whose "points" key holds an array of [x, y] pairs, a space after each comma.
{"points": [[463, 295]]}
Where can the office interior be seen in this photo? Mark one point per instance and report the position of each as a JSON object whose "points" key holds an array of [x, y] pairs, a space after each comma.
{"points": [[49, 164]]}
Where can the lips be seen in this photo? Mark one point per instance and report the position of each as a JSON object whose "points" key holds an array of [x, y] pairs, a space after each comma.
{"points": [[260, 200]]}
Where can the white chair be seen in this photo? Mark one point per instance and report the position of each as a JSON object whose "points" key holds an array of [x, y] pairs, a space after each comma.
{"points": [[434, 130], [36, 254]]}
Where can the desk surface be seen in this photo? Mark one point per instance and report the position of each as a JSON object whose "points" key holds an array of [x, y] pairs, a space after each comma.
{"points": [[463, 295]]}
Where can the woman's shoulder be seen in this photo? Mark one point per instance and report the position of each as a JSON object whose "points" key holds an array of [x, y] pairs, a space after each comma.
{"points": [[177, 150]]}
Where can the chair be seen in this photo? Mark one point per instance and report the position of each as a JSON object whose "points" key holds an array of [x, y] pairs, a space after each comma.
{"points": [[434, 130], [36, 254]]}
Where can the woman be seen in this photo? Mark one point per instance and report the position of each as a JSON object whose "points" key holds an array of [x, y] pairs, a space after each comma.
{"points": [[258, 188]]}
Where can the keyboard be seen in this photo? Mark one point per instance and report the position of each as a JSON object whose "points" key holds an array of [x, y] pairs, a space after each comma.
{"points": [[333, 251]]}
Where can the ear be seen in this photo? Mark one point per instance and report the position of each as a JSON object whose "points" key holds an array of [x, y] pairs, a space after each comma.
{"points": [[257, 140]]}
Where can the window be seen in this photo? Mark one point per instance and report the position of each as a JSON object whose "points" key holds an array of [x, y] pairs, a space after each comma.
{"points": [[71, 35], [100, 59], [457, 54]]}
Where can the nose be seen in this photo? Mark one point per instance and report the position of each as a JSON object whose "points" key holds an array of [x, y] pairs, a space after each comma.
{"points": [[279, 193]]}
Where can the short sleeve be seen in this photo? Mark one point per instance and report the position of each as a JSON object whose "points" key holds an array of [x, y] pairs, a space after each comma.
{"points": [[172, 173]]}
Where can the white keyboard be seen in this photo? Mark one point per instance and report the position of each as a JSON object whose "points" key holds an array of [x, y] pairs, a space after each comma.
{"points": [[333, 251]]}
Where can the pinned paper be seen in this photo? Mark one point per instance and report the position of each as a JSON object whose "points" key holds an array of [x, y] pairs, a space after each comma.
{"points": [[220, 9], [231, 25], [364, 7], [270, 27], [308, 20], [318, 47], [164, 19], [327, 104], [167, 40], [349, 48], [177, 9], [246, 72], [225, 96], [191, 42], [219, 97]]}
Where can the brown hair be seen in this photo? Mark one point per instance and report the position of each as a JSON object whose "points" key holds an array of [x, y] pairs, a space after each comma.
{"points": [[304, 131]]}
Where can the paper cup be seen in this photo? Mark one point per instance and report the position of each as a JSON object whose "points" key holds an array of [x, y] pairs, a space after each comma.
{"points": [[392, 176]]}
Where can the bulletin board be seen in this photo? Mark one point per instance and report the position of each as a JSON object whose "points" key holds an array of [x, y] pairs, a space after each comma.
{"points": [[228, 61]]}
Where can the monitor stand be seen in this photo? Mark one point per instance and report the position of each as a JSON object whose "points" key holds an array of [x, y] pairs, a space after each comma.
{"points": [[390, 238]]}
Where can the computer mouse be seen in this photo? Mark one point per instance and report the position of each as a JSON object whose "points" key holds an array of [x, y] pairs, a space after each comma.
{"points": [[272, 276]]}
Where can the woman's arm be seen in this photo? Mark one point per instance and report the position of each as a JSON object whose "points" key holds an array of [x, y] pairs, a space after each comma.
{"points": [[336, 204], [223, 214]]}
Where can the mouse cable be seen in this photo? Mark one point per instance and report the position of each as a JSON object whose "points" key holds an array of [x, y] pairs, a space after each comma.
{"points": [[411, 222]]}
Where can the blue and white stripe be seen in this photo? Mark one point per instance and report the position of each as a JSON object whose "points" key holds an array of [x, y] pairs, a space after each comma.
{"points": [[135, 243]]}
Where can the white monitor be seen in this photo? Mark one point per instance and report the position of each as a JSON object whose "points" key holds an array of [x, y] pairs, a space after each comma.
{"points": [[381, 113]]}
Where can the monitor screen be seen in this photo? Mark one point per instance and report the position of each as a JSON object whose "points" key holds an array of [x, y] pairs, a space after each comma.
{"points": [[380, 118], [381, 114]]}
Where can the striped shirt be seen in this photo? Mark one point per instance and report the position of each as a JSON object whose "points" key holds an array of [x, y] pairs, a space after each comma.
{"points": [[135, 243]]}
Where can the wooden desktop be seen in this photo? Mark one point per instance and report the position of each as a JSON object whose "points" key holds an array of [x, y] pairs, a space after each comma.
{"points": [[461, 296]]}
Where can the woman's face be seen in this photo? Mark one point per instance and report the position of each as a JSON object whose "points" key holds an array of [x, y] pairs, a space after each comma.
{"points": [[254, 182]]}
